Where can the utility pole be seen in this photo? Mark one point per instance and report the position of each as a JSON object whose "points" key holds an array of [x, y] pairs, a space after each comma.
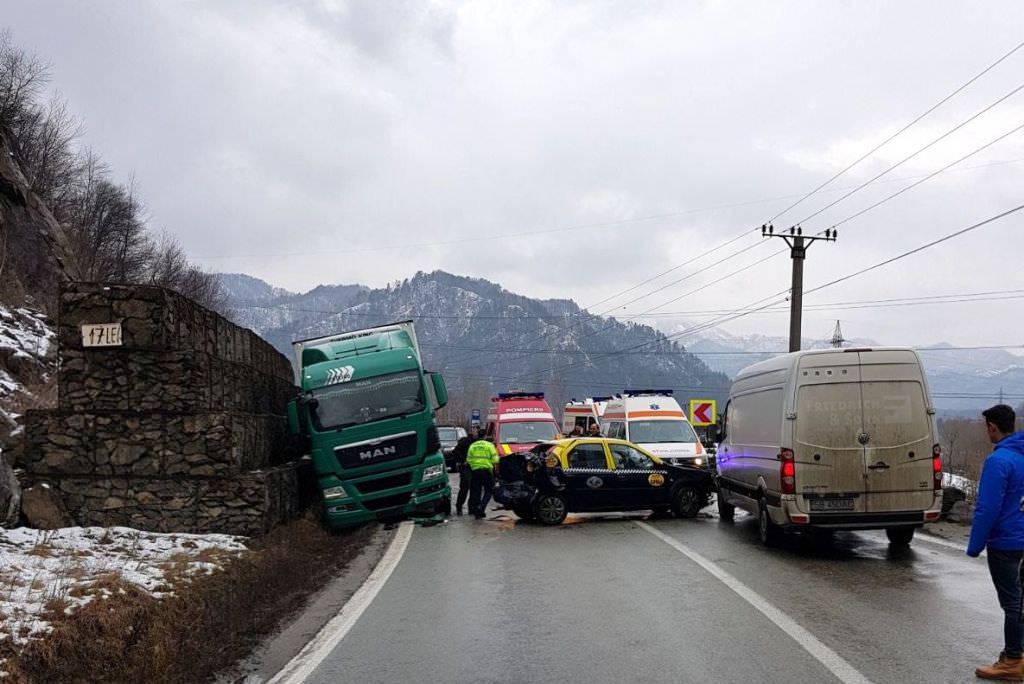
{"points": [[798, 244]]}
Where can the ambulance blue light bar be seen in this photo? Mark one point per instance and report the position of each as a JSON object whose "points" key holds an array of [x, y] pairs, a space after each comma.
{"points": [[641, 392], [521, 395]]}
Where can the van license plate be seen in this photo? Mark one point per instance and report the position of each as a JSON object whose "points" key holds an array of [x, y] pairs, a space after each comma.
{"points": [[831, 504]]}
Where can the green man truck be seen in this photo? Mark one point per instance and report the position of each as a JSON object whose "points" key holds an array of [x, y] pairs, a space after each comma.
{"points": [[367, 408]]}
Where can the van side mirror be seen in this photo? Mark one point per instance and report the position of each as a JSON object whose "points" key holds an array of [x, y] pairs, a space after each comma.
{"points": [[440, 390]]}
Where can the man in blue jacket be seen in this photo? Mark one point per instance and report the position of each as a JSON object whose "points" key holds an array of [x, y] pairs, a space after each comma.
{"points": [[999, 527]]}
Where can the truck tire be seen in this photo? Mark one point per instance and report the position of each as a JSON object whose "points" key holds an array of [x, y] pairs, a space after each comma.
{"points": [[444, 506], [726, 511], [550, 509], [900, 536], [687, 502], [770, 533]]}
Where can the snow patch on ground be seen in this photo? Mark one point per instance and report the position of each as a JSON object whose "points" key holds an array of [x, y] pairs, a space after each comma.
{"points": [[26, 342], [40, 568], [960, 482]]}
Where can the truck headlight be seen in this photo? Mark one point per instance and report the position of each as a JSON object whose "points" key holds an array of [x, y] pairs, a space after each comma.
{"points": [[430, 472], [335, 493]]}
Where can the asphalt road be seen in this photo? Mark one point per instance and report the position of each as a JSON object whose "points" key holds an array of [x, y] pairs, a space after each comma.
{"points": [[625, 599]]}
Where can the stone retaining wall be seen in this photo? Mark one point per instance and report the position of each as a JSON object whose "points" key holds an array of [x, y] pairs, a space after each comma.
{"points": [[179, 428]]}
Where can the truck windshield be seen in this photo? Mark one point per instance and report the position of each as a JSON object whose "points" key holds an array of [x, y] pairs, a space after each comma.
{"points": [[364, 401], [527, 432], [655, 431]]}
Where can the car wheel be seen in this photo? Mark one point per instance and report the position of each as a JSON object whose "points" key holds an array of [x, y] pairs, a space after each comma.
{"points": [[550, 509], [687, 502], [726, 511], [900, 536], [770, 533], [523, 511]]}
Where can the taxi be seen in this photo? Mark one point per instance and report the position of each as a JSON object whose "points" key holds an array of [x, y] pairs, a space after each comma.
{"points": [[593, 474]]}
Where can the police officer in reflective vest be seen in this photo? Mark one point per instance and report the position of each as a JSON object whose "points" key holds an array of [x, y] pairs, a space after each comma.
{"points": [[481, 459]]}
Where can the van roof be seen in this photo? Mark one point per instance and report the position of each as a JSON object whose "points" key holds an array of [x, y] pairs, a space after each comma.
{"points": [[790, 360]]}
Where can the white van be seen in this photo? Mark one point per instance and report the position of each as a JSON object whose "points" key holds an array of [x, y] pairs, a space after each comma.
{"points": [[654, 420], [831, 439], [583, 414]]}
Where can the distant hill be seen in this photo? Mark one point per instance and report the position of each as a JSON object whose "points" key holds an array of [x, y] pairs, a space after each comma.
{"points": [[483, 337], [962, 381]]}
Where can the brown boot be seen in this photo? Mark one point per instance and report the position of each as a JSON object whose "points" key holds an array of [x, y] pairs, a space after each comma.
{"points": [[1004, 670]]}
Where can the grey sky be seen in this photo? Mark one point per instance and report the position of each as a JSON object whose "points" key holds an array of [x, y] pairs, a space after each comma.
{"points": [[319, 142]]}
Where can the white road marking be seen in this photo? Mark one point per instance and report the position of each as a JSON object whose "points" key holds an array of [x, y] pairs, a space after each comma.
{"points": [[328, 638], [835, 664]]}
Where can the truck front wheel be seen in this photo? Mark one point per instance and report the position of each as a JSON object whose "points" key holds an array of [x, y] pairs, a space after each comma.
{"points": [[444, 506]]}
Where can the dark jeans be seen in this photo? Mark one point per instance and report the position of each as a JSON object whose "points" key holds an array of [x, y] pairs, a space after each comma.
{"points": [[481, 486], [465, 475], [1004, 567]]}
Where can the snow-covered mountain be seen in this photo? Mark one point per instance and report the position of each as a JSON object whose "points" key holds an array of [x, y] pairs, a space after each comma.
{"points": [[480, 334], [961, 380]]}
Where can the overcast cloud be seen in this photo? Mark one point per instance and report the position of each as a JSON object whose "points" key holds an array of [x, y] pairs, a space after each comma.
{"points": [[329, 142]]}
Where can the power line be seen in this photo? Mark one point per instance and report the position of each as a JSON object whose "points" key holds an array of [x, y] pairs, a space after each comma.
{"points": [[747, 310], [684, 352], [911, 156], [902, 130], [991, 295]]}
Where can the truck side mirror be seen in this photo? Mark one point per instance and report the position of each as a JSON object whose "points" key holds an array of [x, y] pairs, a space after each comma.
{"points": [[440, 390]]}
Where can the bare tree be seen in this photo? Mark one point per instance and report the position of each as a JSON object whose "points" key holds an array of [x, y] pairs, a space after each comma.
{"points": [[22, 78]]}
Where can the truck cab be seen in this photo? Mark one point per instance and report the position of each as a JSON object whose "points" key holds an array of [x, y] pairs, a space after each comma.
{"points": [[367, 408], [518, 421]]}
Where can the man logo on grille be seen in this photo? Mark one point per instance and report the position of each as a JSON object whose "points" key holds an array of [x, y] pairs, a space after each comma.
{"points": [[338, 375]]}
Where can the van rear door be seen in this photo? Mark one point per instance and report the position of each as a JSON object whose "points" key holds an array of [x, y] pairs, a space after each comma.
{"points": [[829, 416], [897, 433]]}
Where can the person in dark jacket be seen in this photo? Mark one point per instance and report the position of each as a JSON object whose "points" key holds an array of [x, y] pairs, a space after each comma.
{"points": [[998, 527], [459, 453]]}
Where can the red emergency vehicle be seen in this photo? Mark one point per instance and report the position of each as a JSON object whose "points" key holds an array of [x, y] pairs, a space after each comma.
{"points": [[519, 421]]}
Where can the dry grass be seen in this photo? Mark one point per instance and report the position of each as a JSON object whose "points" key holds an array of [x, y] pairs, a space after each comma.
{"points": [[207, 624]]}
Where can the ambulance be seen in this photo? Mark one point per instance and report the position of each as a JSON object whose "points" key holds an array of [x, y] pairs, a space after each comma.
{"points": [[518, 421], [654, 420], [583, 414]]}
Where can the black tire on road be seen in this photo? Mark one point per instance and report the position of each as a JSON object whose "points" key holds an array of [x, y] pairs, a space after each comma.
{"points": [[444, 506], [523, 511], [687, 502], [900, 536], [770, 533], [726, 511], [550, 509]]}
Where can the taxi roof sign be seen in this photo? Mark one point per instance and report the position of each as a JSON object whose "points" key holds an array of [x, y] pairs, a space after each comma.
{"points": [[703, 412]]}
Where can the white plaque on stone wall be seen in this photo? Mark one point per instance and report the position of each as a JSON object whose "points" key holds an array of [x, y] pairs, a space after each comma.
{"points": [[101, 335]]}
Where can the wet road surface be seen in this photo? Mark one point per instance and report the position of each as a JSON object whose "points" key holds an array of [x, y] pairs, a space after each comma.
{"points": [[622, 599]]}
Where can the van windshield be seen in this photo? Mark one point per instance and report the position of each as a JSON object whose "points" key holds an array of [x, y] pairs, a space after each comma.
{"points": [[657, 431], [365, 401], [527, 432]]}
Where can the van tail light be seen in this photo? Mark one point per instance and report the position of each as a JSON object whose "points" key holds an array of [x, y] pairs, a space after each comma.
{"points": [[787, 471], [937, 466]]}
